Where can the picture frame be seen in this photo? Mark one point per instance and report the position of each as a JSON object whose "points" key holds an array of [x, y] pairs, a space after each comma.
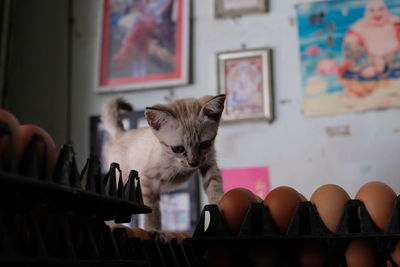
{"points": [[180, 208], [345, 66], [245, 77], [235, 8], [144, 45]]}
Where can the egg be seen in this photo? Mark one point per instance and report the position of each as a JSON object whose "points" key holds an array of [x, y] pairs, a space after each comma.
{"points": [[281, 203], [16, 135], [179, 236], [311, 254], [360, 253], [395, 253], [27, 131], [379, 200], [140, 233], [330, 200], [234, 205], [132, 232], [127, 229]]}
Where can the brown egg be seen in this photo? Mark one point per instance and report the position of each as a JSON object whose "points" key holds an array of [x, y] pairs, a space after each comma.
{"points": [[378, 199], [395, 253], [281, 203], [311, 254], [16, 135], [329, 200], [132, 232], [127, 229], [360, 253], [140, 233], [234, 205], [179, 236], [27, 131]]}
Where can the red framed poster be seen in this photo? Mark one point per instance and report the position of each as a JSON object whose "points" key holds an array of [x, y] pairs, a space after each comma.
{"points": [[144, 44]]}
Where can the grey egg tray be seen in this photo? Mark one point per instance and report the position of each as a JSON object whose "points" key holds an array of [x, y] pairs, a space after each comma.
{"points": [[258, 228]]}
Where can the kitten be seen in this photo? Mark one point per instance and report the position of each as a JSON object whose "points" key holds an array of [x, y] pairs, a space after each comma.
{"points": [[178, 143]]}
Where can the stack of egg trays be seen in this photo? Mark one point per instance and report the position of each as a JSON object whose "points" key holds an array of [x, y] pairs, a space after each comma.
{"points": [[66, 188], [25, 188], [258, 228], [44, 237]]}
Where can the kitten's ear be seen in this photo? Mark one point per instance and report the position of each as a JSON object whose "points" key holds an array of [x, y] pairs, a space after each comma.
{"points": [[157, 116], [213, 107]]}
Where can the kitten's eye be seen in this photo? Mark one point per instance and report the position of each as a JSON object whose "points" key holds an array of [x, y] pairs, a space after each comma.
{"points": [[205, 144], [177, 149]]}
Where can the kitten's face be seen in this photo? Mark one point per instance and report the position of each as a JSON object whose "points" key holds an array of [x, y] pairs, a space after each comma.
{"points": [[190, 146], [187, 128]]}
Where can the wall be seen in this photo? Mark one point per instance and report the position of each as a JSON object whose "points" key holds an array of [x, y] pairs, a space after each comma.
{"points": [[295, 148], [37, 91]]}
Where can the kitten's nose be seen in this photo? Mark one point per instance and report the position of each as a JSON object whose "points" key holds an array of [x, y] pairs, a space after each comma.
{"points": [[194, 163]]}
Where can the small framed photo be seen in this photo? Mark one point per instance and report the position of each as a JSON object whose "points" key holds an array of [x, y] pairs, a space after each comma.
{"points": [[245, 79], [236, 8], [144, 45]]}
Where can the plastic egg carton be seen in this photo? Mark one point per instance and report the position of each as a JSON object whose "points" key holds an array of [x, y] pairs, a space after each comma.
{"points": [[258, 230], [56, 218], [66, 189], [44, 237]]}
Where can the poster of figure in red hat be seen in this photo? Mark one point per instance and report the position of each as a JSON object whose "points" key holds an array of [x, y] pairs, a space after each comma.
{"points": [[144, 44]]}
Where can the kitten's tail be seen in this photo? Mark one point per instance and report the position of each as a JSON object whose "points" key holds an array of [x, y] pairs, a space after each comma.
{"points": [[111, 116]]}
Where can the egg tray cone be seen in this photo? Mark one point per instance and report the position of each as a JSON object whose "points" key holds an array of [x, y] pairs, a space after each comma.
{"points": [[259, 229], [67, 189], [10, 163], [43, 237]]}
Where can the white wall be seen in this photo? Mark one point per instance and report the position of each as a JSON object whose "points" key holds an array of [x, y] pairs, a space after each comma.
{"points": [[295, 148]]}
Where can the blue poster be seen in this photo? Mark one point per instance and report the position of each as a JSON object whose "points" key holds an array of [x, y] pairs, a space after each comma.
{"points": [[350, 55]]}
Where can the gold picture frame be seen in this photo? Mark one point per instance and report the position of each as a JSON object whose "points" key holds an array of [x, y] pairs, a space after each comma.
{"points": [[245, 77], [237, 8]]}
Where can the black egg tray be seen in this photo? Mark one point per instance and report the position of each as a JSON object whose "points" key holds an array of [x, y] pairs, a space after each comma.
{"points": [[43, 237], [56, 218], [67, 189], [24, 193], [305, 226]]}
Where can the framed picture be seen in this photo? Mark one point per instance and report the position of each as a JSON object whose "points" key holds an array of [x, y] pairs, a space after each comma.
{"points": [[180, 208], [235, 8], [144, 44], [349, 55], [245, 78]]}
